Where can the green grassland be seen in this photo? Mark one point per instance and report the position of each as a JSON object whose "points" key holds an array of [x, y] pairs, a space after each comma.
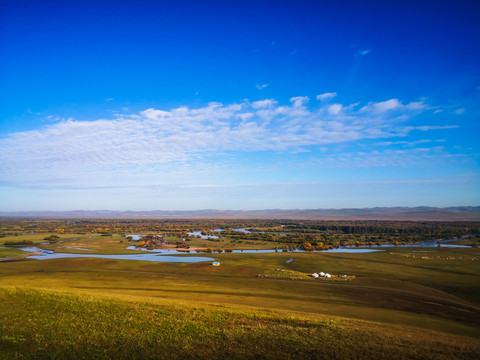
{"points": [[116, 244], [470, 241], [226, 242], [54, 325], [402, 303], [9, 252], [74, 243]]}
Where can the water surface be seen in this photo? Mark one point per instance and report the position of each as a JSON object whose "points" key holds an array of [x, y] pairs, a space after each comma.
{"points": [[167, 255], [49, 254]]}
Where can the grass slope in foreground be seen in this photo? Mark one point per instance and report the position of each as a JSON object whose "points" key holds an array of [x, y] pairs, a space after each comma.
{"points": [[46, 324]]}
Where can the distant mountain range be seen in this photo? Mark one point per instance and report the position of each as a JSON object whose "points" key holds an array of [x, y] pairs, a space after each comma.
{"points": [[458, 213]]}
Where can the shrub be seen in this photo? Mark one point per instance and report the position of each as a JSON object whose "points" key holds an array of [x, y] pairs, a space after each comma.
{"points": [[52, 238], [18, 243]]}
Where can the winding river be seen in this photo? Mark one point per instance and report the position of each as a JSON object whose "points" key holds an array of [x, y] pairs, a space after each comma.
{"points": [[163, 255]]}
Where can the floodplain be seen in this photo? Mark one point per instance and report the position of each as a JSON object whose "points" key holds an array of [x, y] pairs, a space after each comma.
{"points": [[397, 303]]}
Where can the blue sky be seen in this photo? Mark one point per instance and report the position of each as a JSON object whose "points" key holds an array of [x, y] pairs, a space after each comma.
{"points": [[140, 105]]}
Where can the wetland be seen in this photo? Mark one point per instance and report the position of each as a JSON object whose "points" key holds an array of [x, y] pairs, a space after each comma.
{"points": [[254, 304]]}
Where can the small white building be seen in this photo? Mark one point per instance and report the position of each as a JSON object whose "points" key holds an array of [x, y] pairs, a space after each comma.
{"points": [[315, 275], [322, 274], [215, 263], [328, 276]]}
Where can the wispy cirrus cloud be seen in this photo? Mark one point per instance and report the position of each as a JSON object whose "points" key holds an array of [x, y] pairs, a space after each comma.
{"points": [[157, 141], [406, 143], [363, 52], [394, 104], [326, 96], [419, 156], [267, 103]]}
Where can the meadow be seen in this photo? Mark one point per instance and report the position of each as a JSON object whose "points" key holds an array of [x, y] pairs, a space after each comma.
{"points": [[403, 303]]}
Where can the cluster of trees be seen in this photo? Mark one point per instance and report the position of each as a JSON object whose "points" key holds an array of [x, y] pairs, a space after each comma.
{"points": [[335, 234], [52, 238], [182, 246], [19, 243], [150, 241], [210, 250]]}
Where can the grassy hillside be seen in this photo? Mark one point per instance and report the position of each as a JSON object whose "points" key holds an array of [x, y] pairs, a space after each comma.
{"points": [[40, 324]]}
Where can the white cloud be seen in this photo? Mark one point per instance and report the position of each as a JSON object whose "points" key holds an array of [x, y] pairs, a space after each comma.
{"points": [[299, 100], [161, 141], [52, 118], [152, 113], [326, 96], [394, 104], [382, 106], [335, 109], [390, 158], [407, 143], [267, 103], [459, 111], [363, 52], [417, 105], [429, 127], [262, 86]]}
